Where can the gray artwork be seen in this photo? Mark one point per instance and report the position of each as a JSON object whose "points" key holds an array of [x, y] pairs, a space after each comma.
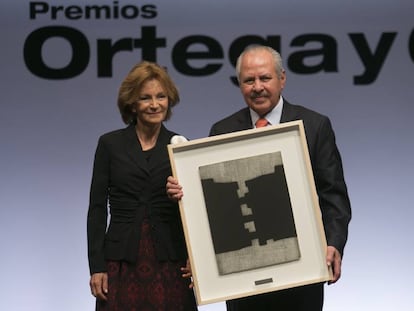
{"points": [[249, 212]]}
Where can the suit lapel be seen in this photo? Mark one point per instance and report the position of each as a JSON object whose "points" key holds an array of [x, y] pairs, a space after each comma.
{"points": [[160, 150], [289, 113], [134, 149], [243, 120], [135, 153]]}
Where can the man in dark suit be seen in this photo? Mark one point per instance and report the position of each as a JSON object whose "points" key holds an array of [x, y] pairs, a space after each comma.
{"points": [[262, 78]]}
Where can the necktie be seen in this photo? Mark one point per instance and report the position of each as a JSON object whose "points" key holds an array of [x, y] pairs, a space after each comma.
{"points": [[261, 122]]}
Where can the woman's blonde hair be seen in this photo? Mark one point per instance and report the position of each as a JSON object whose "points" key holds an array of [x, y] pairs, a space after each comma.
{"points": [[131, 87]]}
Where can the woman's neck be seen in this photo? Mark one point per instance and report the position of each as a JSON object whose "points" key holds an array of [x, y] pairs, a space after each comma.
{"points": [[147, 135]]}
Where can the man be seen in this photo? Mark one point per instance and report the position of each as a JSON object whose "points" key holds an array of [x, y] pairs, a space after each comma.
{"points": [[262, 78]]}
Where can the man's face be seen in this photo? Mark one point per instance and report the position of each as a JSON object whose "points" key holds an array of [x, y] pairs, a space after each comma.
{"points": [[259, 83]]}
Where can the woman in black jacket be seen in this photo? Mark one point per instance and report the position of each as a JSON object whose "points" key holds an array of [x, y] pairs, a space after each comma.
{"points": [[139, 260]]}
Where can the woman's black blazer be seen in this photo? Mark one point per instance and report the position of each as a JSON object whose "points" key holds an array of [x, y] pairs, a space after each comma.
{"points": [[131, 187]]}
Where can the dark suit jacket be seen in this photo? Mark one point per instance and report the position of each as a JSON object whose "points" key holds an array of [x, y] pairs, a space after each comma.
{"points": [[326, 164], [133, 187]]}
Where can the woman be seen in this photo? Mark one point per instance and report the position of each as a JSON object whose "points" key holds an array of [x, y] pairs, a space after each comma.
{"points": [[138, 261]]}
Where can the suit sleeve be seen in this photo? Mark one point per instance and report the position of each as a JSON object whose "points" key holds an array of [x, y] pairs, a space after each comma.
{"points": [[332, 190], [214, 130], [98, 211]]}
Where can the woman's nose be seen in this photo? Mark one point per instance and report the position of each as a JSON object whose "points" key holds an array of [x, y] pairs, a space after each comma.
{"points": [[154, 102]]}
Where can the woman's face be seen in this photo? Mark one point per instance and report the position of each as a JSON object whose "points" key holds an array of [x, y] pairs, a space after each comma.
{"points": [[152, 103]]}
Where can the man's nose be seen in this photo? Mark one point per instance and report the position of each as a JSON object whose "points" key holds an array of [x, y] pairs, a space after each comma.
{"points": [[257, 85]]}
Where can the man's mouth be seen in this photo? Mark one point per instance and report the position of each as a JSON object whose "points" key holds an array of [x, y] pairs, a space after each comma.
{"points": [[258, 96]]}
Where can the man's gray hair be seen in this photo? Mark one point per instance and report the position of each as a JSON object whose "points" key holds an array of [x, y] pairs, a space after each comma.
{"points": [[255, 47]]}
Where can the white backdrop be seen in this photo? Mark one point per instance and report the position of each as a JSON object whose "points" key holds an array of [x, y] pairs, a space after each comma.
{"points": [[49, 127]]}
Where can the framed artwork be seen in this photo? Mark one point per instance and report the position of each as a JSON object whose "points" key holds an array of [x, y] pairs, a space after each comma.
{"points": [[250, 212]]}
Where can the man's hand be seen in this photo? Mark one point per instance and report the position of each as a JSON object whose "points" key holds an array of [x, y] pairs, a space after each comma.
{"points": [[99, 285], [174, 190], [187, 273], [334, 260]]}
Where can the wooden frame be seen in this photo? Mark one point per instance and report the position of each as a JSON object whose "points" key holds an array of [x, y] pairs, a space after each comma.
{"points": [[223, 178]]}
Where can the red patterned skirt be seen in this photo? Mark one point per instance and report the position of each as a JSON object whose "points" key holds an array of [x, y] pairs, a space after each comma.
{"points": [[148, 285]]}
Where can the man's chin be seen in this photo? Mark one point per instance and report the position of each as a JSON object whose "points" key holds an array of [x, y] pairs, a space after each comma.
{"points": [[260, 101], [261, 107]]}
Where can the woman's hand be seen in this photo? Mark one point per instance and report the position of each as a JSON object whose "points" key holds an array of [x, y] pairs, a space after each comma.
{"points": [[99, 285]]}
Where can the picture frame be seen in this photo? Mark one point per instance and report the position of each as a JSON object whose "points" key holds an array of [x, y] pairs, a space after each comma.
{"points": [[250, 212]]}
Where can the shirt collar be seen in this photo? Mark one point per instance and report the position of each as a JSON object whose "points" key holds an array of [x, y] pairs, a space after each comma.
{"points": [[273, 116]]}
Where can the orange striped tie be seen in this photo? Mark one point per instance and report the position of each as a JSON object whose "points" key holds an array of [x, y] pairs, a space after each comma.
{"points": [[261, 122]]}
